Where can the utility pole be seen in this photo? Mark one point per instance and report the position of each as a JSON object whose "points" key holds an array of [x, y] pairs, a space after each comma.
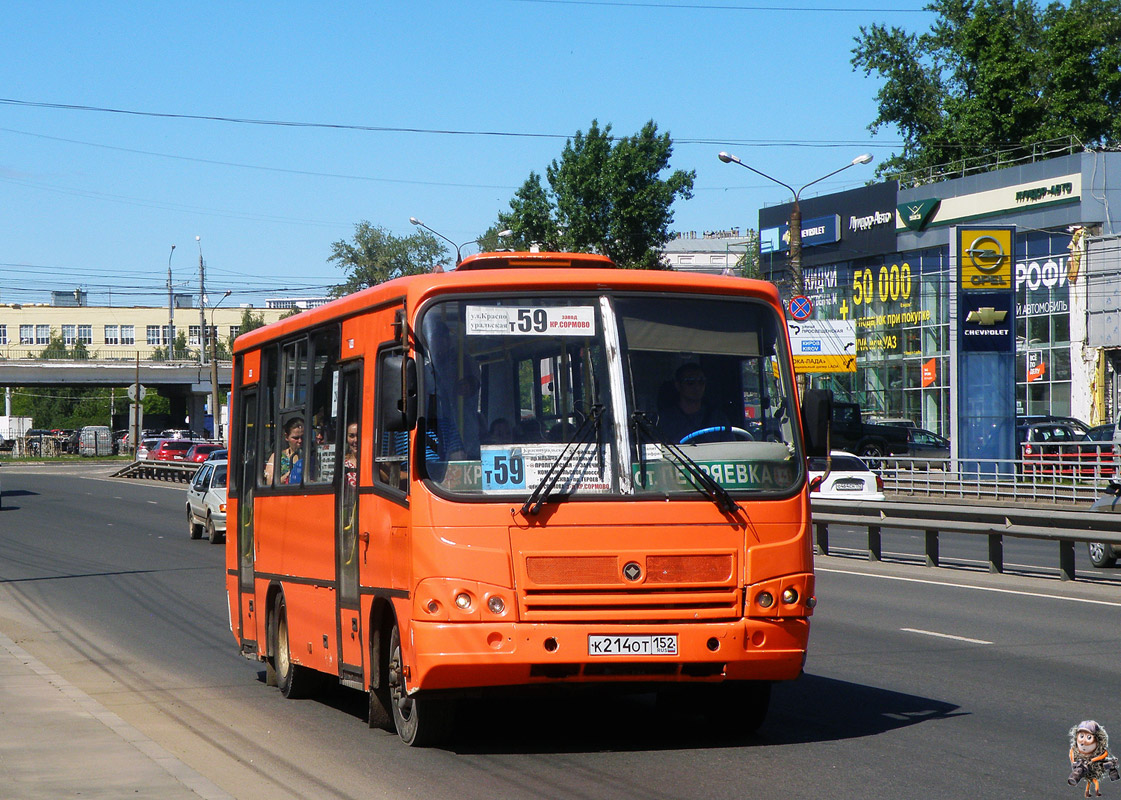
{"points": [[202, 306], [170, 299]]}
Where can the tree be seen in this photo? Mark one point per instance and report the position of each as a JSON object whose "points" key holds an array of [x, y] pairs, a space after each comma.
{"points": [[250, 321], [605, 196], [993, 76], [376, 256]]}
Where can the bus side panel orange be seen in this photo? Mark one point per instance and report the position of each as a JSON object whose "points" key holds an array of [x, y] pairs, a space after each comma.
{"points": [[295, 535], [311, 626], [251, 368]]}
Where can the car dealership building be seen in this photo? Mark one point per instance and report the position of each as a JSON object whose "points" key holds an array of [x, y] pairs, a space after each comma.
{"points": [[885, 257]]}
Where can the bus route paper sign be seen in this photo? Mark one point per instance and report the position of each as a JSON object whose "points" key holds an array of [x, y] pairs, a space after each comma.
{"points": [[823, 345], [531, 320]]}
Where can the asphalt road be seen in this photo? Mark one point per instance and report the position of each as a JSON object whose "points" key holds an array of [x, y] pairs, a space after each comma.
{"points": [[943, 683]]}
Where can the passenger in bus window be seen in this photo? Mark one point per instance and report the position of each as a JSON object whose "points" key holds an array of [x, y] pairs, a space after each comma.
{"points": [[291, 462], [688, 411], [350, 460], [500, 432]]}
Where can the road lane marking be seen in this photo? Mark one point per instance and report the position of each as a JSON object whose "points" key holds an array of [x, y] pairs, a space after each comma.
{"points": [[945, 636], [1019, 592]]}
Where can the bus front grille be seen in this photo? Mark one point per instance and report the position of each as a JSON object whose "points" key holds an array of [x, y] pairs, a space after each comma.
{"points": [[635, 605]]}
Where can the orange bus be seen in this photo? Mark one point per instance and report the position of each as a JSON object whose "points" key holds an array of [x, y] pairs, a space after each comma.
{"points": [[535, 471]]}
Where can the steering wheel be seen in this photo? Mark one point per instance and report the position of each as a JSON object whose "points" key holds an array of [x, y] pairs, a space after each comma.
{"points": [[746, 435]]}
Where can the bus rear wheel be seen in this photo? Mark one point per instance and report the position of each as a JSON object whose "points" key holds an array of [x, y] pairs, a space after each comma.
{"points": [[295, 681], [420, 721]]}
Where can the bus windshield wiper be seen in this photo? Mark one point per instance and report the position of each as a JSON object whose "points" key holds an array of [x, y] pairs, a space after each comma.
{"points": [[701, 480], [540, 494]]}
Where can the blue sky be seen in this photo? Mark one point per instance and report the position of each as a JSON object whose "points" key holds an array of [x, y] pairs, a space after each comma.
{"points": [[96, 199]]}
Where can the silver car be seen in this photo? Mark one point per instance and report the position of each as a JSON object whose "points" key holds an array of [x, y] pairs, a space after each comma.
{"points": [[206, 502]]}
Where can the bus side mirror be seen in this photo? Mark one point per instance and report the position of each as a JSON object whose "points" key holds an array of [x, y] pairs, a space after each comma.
{"points": [[817, 413], [400, 397]]}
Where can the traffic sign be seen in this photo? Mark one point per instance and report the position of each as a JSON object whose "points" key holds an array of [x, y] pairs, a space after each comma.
{"points": [[132, 392], [801, 307]]}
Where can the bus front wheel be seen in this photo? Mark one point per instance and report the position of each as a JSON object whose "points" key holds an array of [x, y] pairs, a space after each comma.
{"points": [[420, 721], [295, 681]]}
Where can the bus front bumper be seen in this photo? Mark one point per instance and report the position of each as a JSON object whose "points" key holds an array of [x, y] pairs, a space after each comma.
{"points": [[468, 655]]}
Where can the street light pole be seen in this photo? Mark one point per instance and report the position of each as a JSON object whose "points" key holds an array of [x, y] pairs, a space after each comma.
{"points": [[798, 285], [458, 247], [202, 306], [215, 406]]}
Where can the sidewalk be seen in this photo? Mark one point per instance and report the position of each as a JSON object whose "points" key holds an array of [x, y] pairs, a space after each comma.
{"points": [[57, 741]]}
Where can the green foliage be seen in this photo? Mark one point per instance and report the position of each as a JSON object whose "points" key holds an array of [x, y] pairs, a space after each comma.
{"points": [[994, 75], [376, 256], [179, 351], [605, 196], [747, 266]]}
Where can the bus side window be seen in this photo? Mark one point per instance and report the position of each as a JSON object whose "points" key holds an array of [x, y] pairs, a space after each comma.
{"points": [[391, 448], [265, 441], [323, 429]]}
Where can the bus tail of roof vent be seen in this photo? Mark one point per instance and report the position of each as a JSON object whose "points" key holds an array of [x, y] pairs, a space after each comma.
{"points": [[508, 260]]}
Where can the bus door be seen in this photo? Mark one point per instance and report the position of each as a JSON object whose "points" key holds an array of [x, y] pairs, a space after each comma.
{"points": [[246, 439], [348, 541]]}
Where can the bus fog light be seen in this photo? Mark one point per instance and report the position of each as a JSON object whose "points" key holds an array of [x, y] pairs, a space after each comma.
{"points": [[463, 601], [496, 605], [790, 595], [765, 599], [432, 607]]}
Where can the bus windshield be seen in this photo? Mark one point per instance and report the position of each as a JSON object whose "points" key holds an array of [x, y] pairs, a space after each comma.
{"points": [[586, 395]]}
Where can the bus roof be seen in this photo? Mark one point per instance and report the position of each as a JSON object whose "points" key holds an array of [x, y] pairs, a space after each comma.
{"points": [[536, 272]]}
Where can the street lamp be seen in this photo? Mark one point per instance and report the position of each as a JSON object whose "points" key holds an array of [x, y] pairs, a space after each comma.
{"points": [[215, 408], [795, 259], [458, 253]]}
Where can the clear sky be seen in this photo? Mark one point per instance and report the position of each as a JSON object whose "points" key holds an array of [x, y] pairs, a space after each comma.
{"points": [[436, 109]]}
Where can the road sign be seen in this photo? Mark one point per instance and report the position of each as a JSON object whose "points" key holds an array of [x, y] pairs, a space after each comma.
{"points": [[820, 345], [132, 392], [801, 307]]}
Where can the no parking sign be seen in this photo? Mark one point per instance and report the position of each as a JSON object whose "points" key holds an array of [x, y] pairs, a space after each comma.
{"points": [[801, 307]]}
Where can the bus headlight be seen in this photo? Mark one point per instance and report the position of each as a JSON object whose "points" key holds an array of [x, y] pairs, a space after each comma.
{"points": [[496, 605], [463, 601], [790, 595], [765, 599]]}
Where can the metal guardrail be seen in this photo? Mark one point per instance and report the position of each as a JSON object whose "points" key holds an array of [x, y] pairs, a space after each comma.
{"points": [[1049, 478], [1064, 525], [158, 470]]}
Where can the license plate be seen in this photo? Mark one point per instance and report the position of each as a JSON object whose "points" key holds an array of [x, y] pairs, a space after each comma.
{"points": [[848, 486], [663, 645]]}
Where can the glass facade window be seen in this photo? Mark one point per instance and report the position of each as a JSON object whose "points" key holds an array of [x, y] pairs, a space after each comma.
{"points": [[3, 334], [128, 334], [111, 334], [85, 334], [27, 334], [42, 334], [69, 334]]}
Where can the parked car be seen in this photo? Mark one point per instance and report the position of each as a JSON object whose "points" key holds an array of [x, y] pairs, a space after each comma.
{"points": [[177, 433], [848, 478], [902, 422], [927, 448], [206, 502], [170, 450], [146, 447], [218, 455], [200, 451], [1060, 448], [1100, 433], [1079, 426], [1105, 554]]}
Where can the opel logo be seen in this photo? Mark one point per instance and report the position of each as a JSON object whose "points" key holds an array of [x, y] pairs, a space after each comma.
{"points": [[986, 254], [632, 571]]}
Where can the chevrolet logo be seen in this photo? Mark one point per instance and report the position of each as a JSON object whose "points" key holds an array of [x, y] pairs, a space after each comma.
{"points": [[986, 316]]}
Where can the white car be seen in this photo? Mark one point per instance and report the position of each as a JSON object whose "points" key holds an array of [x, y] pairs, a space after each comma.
{"points": [[848, 479], [206, 502]]}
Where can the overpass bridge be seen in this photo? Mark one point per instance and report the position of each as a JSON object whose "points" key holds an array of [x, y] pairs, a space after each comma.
{"points": [[186, 384]]}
